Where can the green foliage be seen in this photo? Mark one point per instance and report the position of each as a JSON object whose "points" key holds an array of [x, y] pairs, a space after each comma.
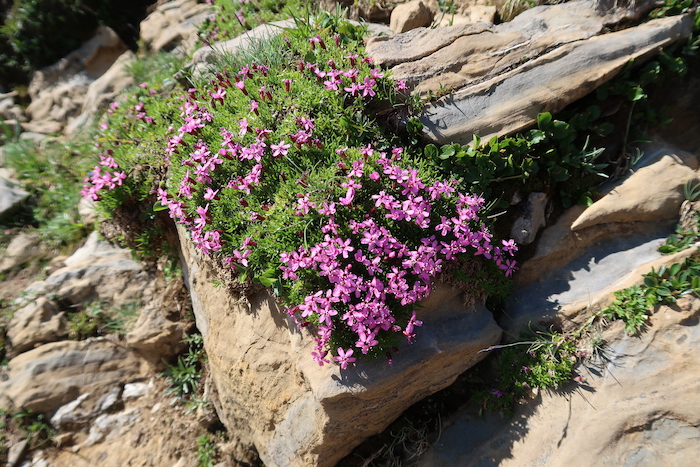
{"points": [[184, 377], [9, 133], [673, 7], [669, 283], [86, 322], [52, 173], [631, 306], [547, 362], [97, 318], [661, 287], [691, 191], [30, 426], [541, 159], [233, 18], [121, 319], [36, 33], [156, 69], [207, 451], [680, 240]]}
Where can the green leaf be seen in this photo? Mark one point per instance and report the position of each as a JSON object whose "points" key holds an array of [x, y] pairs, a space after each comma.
{"points": [[558, 173], [674, 269], [537, 136], [635, 94], [663, 292], [447, 151], [543, 120], [159, 207], [651, 282], [431, 151]]}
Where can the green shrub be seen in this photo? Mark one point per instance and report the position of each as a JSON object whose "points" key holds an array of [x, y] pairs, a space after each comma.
{"points": [[277, 156], [545, 362]]}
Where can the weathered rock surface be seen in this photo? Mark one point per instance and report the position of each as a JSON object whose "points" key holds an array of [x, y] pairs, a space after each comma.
{"points": [[526, 226], [10, 112], [24, 247], [58, 91], [96, 271], [504, 75], [652, 193], [155, 336], [45, 378], [11, 197], [103, 90], [37, 323], [274, 396], [411, 15], [174, 24], [640, 405]]}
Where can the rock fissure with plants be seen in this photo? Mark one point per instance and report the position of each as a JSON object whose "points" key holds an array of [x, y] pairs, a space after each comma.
{"points": [[285, 167]]}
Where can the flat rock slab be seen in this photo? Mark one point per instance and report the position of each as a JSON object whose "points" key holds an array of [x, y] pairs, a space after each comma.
{"points": [[638, 406], [45, 378], [600, 270], [296, 413], [503, 76], [96, 271]]}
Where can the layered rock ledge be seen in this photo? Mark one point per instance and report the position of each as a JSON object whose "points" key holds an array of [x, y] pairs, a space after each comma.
{"points": [[499, 78], [296, 413]]}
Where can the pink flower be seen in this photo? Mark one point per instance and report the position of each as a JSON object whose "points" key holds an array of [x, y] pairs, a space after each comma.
{"points": [[280, 149], [344, 357], [253, 107], [241, 85]]}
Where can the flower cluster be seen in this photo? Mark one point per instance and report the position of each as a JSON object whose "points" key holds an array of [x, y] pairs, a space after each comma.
{"points": [[367, 269], [352, 232], [100, 178]]}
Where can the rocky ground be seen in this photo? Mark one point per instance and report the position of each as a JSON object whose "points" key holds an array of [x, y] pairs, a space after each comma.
{"points": [[103, 392]]}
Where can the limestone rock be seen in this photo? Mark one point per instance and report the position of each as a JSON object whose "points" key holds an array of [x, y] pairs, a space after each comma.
{"points": [[58, 91], [274, 396], [653, 193], [10, 112], [101, 92], [411, 15], [656, 149], [16, 453], [96, 271], [466, 15], [503, 76], [372, 11], [45, 378], [110, 426], [69, 413], [11, 197], [638, 406], [156, 337], [526, 226], [37, 323], [174, 24], [24, 248], [135, 390]]}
